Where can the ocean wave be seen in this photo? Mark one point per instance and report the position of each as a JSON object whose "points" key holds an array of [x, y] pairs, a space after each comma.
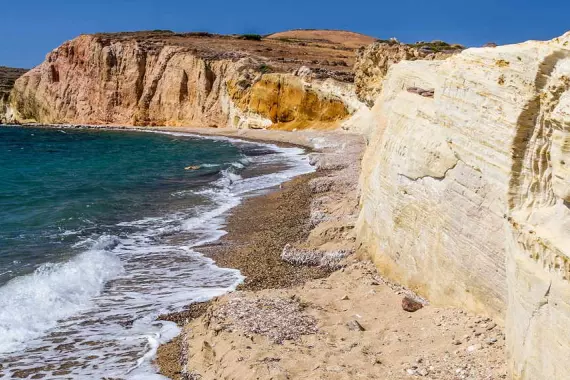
{"points": [[146, 271], [32, 304]]}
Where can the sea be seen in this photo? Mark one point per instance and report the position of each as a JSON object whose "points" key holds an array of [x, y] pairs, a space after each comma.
{"points": [[98, 237]]}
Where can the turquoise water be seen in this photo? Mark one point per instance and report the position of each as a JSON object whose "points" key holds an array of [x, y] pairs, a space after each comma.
{"points": [[58, 186], [97, 230]]}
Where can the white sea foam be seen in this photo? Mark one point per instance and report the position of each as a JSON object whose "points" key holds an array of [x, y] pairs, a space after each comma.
{"points": [[76, 302], [30, 305]]}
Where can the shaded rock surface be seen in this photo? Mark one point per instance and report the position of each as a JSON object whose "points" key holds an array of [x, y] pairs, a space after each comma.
{"points": [[8, 76]]}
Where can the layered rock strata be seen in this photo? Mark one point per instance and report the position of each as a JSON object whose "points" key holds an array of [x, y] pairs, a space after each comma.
{"points": [[374, 61], [162, 78], [466, 194]]}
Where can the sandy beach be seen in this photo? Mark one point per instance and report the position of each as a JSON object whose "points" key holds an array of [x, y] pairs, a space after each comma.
{"points": [[312, 322]]}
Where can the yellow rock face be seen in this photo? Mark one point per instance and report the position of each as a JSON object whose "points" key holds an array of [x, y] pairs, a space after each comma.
{"points": [[289, 103]]}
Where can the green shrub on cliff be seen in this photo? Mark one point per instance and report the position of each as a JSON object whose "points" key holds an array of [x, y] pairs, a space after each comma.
{"points": [[265, 69]]}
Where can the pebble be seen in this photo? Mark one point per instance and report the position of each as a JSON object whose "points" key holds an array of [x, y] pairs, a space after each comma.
{"points": [[473, 348], [355, 326], [423, 372]]}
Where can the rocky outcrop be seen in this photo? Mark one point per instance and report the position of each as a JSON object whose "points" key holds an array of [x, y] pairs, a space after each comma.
{"points": [[195, 80], [374, 60], [466, 193], [8, 76]]}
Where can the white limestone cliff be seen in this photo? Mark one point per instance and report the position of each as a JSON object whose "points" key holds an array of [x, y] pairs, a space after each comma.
{"points": [[466, 191]]}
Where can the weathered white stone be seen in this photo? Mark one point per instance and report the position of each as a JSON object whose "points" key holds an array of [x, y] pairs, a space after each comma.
{"points": [[465, 196]]}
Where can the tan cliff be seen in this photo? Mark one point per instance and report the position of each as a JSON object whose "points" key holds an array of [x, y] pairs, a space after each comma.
{"points": [[8, 76], [374, 60], [194, 79], [466, 191]]}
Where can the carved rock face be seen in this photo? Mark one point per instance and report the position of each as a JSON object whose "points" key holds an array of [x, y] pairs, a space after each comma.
{"points": [[561, 164], [560, 153], [465, 195], [99, 80]]}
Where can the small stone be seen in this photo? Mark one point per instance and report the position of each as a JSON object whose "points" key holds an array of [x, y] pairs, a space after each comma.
{"points": [[411, 372], [355, 326], [423, 372], [456, 342], [491, 341], [411, 305], [473, 348], [491, 326], [345, 298]]}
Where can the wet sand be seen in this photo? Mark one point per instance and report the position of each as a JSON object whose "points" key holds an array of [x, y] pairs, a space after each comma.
{"points": [[258, 230]]}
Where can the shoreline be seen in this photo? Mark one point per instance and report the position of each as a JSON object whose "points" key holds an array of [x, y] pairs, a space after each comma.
{"points": [[303, 138], [255, 252], [314, 211], [291, 321], [284, 215], [282, 274], [346, 323]]}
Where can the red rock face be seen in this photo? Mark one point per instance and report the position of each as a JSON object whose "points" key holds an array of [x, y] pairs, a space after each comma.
{"points": [[93, 81], [160, 78]]}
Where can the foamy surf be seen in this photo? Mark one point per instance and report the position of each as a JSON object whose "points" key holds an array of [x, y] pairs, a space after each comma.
{"points": [[31, 305], [97, 312]]}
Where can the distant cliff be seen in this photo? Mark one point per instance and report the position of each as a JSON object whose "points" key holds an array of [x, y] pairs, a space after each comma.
{"points": [[8, 76], [466, 191], [197, 79]]}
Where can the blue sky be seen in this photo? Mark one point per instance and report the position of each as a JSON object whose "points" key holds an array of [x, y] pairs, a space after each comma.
{"points": [[31, 28]]}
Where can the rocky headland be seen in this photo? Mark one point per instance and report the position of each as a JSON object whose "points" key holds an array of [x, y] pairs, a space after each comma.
{"points": [[447, 170], [8, 76], [195, 79]]}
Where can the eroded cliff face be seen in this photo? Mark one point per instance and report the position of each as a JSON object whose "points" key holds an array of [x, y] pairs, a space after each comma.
{"points": [[8, 76], [465, 191], [105, 79], [374, 61]]}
